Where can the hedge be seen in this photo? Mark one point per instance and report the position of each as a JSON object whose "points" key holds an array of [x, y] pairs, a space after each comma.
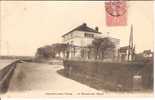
{"points": [[113, 75]]}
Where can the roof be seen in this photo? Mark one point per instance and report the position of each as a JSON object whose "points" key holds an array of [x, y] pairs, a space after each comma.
{"points": [[83, 27], [123, 49], [147, 52]]}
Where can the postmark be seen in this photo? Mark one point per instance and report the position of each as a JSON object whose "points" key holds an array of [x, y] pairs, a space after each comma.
{"points": [[116, 13]]}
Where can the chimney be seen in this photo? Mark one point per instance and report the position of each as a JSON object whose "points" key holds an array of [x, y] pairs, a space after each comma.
{"points": [[84, 24], [96, 28]]}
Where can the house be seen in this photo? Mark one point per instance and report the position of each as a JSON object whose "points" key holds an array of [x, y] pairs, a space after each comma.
{"points": [[81, 35], [80, 38], [145, 56], [123, 53], [147, 53], [126, 53]]}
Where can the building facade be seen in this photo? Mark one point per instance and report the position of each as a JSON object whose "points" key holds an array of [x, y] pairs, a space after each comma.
{"points": [[81, 37]]}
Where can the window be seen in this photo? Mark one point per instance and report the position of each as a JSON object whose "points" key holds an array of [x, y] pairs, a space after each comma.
{"points": [[89, 35]]}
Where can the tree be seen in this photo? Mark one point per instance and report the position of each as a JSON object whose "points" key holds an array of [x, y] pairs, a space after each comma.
{"points": [[50, 51], [45, 52], [101, 46], [96, 45], [61, 48]]}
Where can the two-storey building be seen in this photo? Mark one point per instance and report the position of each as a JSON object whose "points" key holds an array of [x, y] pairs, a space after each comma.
{"points": [[81, 37]]}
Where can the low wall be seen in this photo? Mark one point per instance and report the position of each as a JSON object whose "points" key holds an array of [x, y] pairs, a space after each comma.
{"points": [[113, 75], [5, 76]]}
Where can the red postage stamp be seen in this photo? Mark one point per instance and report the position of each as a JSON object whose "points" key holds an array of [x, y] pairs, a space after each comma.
{"points": [[116, 13]]}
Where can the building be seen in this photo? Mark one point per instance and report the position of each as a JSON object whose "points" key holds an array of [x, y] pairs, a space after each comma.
{"points": [[147, 53], [81, 37], [123, 53]]}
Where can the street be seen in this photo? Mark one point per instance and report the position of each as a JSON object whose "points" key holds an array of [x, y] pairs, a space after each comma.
{"points": [[43, 77]]}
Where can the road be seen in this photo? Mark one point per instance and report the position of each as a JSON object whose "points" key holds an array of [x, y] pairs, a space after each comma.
{"points": [[43, 78]]}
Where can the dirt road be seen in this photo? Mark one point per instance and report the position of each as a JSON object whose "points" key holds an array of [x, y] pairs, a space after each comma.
{"points": [[34, 77]]}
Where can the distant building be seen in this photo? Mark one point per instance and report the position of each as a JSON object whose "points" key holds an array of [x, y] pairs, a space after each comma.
{"points": [[81, 37], [147, 53], [123, 53]]}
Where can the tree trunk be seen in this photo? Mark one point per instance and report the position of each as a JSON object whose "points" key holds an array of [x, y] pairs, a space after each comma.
{"points": [[102, 55]]}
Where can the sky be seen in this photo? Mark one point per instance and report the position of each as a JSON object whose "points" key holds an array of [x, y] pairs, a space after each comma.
{"points": [[28, 25]]}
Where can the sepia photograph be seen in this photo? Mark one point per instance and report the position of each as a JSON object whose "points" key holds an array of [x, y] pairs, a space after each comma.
{"points": [[76, 48]]}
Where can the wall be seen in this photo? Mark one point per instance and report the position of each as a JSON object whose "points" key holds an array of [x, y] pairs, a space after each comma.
{"points": [[5, 76]]}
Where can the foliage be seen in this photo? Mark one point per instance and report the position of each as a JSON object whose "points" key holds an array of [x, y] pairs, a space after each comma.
{"points": [[51, 51], [101, 45]]}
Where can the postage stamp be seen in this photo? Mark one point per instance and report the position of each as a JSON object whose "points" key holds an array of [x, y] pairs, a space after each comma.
{"points": [[116, 13]]}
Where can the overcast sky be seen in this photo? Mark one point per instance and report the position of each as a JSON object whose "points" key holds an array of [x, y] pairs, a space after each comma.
{"points": [[27, 25]]}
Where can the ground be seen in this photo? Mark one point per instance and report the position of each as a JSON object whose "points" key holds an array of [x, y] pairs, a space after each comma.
{"points": [[37, 77]]}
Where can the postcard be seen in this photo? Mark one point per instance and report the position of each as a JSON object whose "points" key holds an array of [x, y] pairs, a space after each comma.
{"points": [[76, 48]]}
